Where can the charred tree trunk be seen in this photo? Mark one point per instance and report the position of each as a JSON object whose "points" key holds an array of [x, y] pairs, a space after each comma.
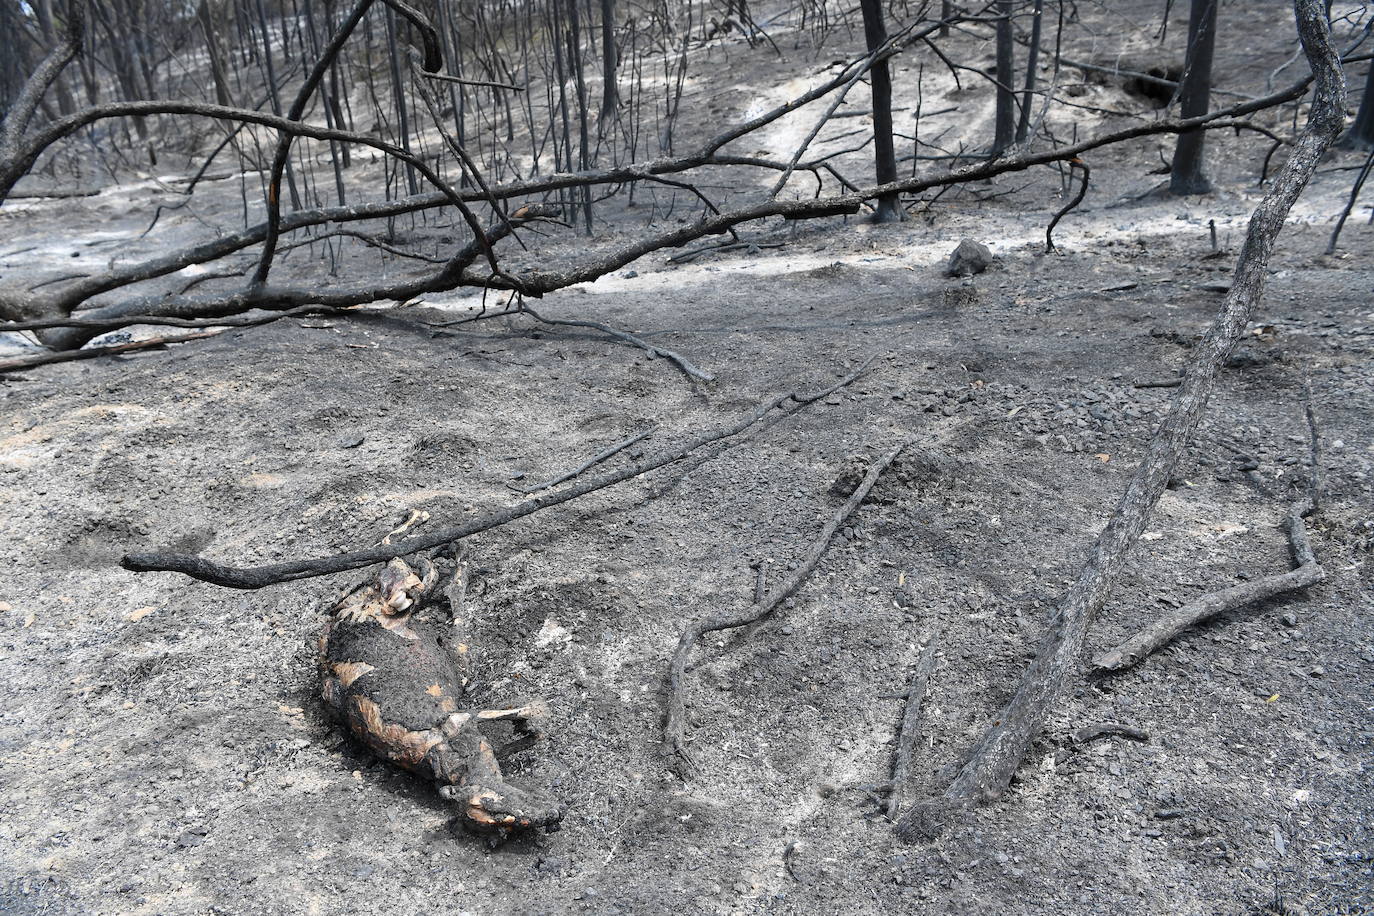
{"points": [[43, 10], [1005, 117], [880, 77], [1032, 61], [610, 93], [1361, 133], [583, 132], [1195, 94], [398, 95], [215, 49]]}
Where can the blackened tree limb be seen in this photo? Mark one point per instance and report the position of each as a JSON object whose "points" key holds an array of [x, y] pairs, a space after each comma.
{"points": [[994, 759], [219, 304], [1307, 572], [1350, 202], [910, 729], [251, 577], [483, 84], [46, 358], [675, 723]]}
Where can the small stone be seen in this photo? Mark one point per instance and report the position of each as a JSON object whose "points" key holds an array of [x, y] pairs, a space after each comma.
{"points": [[1318, 671], [349, 442], [968, 259]]}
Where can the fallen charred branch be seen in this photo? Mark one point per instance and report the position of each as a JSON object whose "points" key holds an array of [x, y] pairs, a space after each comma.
{"points": [[251, 577], [675, 723], [988, 770], [910, 730], [534, 282], [111, 324], [1306, 572], [16, 363], [270, 298]]}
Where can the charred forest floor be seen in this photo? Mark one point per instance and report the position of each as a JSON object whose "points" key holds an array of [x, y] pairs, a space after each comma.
{"points": [[163, 746]]}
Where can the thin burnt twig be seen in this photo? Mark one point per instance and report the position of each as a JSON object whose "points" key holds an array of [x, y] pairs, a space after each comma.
{"points": [[676, 358], [674, 727], [1097, 730], [590, 462]]}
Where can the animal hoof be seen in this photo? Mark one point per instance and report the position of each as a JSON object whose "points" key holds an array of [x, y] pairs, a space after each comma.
{"points": [[504, 810]]}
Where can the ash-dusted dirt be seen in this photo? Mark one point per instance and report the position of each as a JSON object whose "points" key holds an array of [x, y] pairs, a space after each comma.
{"points": [[165, 749], [163, 746]]}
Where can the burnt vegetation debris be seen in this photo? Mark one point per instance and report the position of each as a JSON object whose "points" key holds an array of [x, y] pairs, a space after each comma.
{"points": [[781, 509]]}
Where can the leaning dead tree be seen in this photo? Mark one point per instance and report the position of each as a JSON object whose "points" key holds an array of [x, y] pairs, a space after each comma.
{"points": [[488, 211], [1307, 571], [989, 768]]}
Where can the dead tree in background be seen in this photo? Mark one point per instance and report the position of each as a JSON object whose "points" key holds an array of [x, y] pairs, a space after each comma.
{"points": [[610, 59], [1361, 132], [1195, 92], [880, 79], [1005, 115], [1032, 61]]}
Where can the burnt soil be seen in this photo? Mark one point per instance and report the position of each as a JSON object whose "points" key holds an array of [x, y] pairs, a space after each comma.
{"points": [[163, 746]]}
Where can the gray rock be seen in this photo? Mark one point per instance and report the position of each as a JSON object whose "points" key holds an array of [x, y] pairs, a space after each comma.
{"points": [[968, 259]]}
